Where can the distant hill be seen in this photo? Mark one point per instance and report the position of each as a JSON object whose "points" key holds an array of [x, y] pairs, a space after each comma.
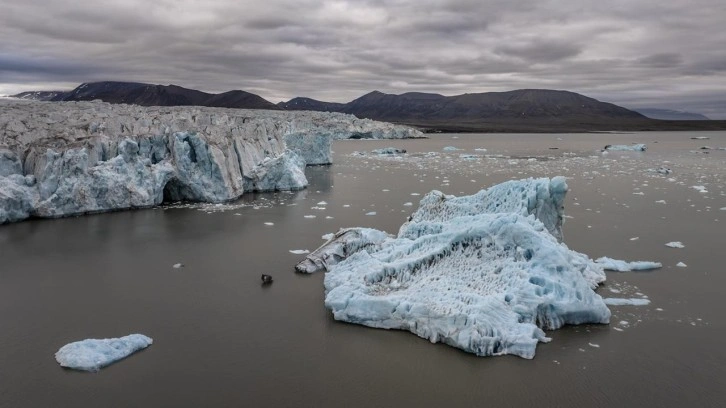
{"points": [[669, 114], [156, 95], [38, 95], [311, 104]]}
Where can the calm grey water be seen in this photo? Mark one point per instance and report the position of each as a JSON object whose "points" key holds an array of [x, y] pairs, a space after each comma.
{"points": [[223, 340]]}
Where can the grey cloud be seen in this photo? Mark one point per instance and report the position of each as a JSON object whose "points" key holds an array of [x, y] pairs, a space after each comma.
{"points": [[338, 50], [662, 60]]}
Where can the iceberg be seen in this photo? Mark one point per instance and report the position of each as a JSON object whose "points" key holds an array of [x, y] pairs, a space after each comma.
{"points": [[675, 244], [640, 147], [626, 302], [484, 273], [624, 266], [388, 151], [94, 354]]}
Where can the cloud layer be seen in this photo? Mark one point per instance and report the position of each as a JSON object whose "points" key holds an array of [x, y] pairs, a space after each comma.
{"points": [[638, 54]]}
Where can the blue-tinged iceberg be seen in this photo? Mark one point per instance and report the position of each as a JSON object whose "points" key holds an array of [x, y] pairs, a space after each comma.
{"points": [[94, 354], [485, 273]]}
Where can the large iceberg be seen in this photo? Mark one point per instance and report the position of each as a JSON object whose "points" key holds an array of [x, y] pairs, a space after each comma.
{"points": [[94, 354], [59, 159], [485, 273]]}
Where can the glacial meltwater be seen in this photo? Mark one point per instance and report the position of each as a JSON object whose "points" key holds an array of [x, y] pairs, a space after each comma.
{"points": [[189, 276]]}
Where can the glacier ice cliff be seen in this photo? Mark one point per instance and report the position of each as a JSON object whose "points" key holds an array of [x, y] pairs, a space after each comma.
{"points": [[485, 273], [94, 354], [60, 159]]}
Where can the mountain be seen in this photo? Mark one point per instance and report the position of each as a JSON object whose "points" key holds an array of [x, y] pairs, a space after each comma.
{"points": [[523, 110], [669, 114], [38, 95], [311, 105], [162, 95]]}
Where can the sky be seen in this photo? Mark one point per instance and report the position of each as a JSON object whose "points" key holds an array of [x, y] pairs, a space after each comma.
{"points": [[635, 53]]}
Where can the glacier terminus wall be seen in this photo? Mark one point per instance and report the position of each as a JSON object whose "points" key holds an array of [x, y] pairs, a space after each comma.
{"points": [[66, 158]]}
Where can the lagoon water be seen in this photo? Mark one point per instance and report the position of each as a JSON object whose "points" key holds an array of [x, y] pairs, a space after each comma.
{"points": [[221, 339]]}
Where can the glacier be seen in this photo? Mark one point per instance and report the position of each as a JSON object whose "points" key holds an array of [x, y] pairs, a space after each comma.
{"points": [[485, 273], [94, 354], [69, 158]]}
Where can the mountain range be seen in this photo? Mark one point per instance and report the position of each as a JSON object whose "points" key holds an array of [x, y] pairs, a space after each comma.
{"points": [[524, 110]]}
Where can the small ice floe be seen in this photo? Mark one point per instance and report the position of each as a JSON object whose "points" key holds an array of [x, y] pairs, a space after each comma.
{"points": [[346, 205], [299, 251], [450, 149], [700, 189], [626, 302], [675, 244], [722, 208], [310, 216], [700, 138], [388, 151], [640, 147], [94, 354], [623, 266], [468, 156], [660, 202], [480, 149], [327, 217], [328, 236], [634, 238], [407, 204], [322, 203], [663, 170], [177, 265], [593, 345], [371, 213], [415, 194], [269, 224], [681, 265]]}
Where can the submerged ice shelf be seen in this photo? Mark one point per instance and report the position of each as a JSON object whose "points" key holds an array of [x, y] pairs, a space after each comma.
{"points": [[485, 273], [94, 354]]}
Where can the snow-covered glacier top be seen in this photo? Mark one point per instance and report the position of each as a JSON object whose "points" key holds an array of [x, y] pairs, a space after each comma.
{"points": [[485, 273], [64, 158]]}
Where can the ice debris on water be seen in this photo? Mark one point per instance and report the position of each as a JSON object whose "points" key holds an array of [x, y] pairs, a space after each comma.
{"points": [[624, 266], [299, 251], [485, 273], [328, 236], [94, 354], [681, 265], [675, 244], [177, 265], [450, 149], [388, 151]]}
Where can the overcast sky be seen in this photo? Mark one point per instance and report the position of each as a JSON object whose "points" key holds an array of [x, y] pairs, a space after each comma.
{"points": [[637, 53]]}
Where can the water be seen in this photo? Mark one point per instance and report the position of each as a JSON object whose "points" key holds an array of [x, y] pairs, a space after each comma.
{"points": [[222, 339]]}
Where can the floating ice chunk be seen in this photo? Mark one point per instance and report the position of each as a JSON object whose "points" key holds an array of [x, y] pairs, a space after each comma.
{"points": [[681, 265], [700, 189], [328, 236], [660, 202], [407, 204], [700, 138], [177, 265], [482, 273], [450, 149], [341, 245], [675, 244], [634, 147], [269, 224], [480, 149], [299, 251], [634, 238], [388, 151], [371, 213], [309, 216], [623, 301], [623, 266], [484, 283], [94, 354], [593, 345], [322, 203]]}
